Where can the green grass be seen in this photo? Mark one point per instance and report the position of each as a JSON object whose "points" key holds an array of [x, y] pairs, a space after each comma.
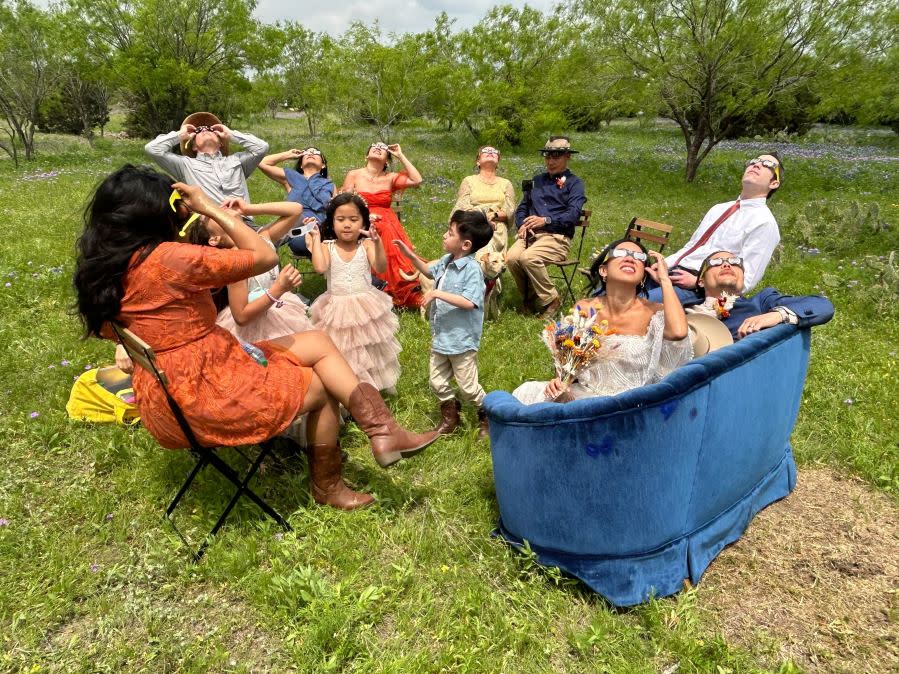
{"points": [[92, 579]]}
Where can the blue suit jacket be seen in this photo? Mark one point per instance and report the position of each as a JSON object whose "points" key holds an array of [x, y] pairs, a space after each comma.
{"points": [[810, 309]]}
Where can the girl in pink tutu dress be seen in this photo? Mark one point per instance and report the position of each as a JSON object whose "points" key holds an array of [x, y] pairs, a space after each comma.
{"points": [[264, 306], [357, 316]]}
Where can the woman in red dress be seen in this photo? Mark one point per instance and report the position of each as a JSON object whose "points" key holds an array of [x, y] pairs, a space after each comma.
{"points": [[132, 269], [376, 185]]}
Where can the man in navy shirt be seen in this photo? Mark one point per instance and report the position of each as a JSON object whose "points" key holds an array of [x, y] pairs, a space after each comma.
{"points": [[721, 278], [545, 219]]}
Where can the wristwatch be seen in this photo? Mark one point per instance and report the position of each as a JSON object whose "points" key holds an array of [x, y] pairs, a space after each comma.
{"points": [[547, 220], [786, 315]]}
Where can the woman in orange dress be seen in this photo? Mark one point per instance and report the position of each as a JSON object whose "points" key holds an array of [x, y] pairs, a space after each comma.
{"points": [[132, 269], [376, 185]]}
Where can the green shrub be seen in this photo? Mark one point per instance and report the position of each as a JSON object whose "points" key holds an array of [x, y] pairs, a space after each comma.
{"points": [[833, 226]]}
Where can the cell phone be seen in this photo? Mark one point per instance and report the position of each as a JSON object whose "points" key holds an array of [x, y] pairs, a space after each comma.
{"points": [[304, 230]]}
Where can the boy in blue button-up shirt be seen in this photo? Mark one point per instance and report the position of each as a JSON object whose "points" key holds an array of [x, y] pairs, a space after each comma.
{"points": [[456, 313]]}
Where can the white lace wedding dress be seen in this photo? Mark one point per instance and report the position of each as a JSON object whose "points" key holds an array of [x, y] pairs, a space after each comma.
{"points": [[637, 360]]}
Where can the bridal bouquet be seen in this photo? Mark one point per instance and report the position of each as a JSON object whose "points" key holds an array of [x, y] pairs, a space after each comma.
{"points": [[574, 341]]}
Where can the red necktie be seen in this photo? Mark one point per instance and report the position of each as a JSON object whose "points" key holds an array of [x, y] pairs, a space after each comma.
{"points": [[711, 230]]}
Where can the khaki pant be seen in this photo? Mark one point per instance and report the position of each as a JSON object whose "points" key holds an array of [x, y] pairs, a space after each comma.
{"points": [[462, 366], [528, 267]]}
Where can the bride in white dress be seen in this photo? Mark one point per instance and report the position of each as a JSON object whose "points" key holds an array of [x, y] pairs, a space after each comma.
{"points": [[650, 339]]}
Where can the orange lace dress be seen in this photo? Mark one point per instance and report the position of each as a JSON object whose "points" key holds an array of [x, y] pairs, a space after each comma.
{"points": [[404, 293], [227, 398]]}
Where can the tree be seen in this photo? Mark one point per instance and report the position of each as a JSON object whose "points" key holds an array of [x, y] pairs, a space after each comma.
{"points": [[452, 96], [511, 53], [76, 106], [28, 73], [371, 81], [711, 63], [310, 72], [865, 88], [172, 57]]}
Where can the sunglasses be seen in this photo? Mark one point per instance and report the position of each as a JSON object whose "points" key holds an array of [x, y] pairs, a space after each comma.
{"points": [[554, 153], [732, 261], [768, 164], [313, 151], [626, 252], [201, 129], [489, 150], [378, 146], [173, 199]]}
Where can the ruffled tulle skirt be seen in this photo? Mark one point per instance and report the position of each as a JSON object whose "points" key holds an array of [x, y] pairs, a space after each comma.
{"points": [[276, 322], [364, 327]]}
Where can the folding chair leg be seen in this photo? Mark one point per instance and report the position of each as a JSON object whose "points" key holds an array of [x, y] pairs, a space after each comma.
{"points": [[201, 462], [570, 292], [242, 490]]}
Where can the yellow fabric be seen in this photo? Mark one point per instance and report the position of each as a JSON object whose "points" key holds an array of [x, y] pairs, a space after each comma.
{"points": [[91, 401], [475, 194]]}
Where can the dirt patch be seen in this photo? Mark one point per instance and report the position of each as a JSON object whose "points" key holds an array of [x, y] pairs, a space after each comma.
{"points": [[815, 579]]}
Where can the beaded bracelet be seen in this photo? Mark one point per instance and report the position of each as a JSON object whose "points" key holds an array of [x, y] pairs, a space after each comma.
{"points": [[278, 303]]}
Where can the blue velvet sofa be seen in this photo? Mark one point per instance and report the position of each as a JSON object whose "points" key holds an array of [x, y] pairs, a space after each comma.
{"points": [[636, 492]]}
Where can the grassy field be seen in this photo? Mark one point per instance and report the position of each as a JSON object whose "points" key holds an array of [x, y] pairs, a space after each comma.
{"points": [[94, 581]]}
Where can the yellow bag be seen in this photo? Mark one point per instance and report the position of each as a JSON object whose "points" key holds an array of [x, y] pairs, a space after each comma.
{"points": [[103, 395]]}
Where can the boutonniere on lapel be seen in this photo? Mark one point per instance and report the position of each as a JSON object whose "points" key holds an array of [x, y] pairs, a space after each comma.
{"points": [[722, 305], [560, 182]]}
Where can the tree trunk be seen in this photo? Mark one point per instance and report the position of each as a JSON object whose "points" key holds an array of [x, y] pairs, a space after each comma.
{"points": [[692, 164]]}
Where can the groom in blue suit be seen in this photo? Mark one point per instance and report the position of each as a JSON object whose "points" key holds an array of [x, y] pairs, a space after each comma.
{"points": [[721, 277]]}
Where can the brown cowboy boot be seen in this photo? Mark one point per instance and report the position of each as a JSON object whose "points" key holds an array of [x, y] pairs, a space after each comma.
{"points": [[483, 425], [449, 412], [390, 442], [328, 487]]}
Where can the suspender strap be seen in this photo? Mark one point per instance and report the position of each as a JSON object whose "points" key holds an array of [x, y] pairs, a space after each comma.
{"points": [[711, 230]]}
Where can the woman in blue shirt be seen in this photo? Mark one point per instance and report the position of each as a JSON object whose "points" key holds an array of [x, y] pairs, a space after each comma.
{"points": [[306, 184]]}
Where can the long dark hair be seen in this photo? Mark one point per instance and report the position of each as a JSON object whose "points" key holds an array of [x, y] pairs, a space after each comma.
{"points": [[128, 211], [343, 199], [598, 283]]}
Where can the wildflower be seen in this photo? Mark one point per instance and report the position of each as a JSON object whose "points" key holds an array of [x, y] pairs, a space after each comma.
{"points": [[569, 343], [95, 567], [64, 362], [8, 284], [849, 401], [51, 367], [4, 522], [279, 536], [108, 516], [88, 367], [34, 415]]}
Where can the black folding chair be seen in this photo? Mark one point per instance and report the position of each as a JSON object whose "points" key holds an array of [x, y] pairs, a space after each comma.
{"points": [[569, 266], [142, 354]]}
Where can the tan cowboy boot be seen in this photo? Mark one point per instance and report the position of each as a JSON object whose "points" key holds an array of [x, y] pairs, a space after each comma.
{"points": [[449, 413], [390, 442], [328, 487]]}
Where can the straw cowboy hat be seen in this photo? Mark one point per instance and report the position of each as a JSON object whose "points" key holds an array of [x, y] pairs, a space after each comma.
{"points": [[558, 145], [707, 333], [201, 119]]}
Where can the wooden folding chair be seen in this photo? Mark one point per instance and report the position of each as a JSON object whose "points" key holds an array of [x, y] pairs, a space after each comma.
{"points": [[141, 353], [642, 230], [569, 266]]}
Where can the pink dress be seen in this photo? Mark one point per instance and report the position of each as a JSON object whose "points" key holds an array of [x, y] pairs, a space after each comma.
{"points": [[277, 322], [360, 319]]}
